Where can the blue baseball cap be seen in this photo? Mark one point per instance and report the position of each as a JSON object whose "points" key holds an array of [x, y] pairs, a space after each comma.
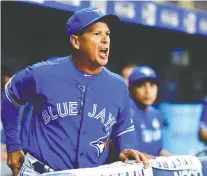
{"points": [[140, 73], [84, 17]]}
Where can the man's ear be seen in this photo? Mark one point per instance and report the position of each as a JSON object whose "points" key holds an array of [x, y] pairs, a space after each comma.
{"points": [[74, 40]]}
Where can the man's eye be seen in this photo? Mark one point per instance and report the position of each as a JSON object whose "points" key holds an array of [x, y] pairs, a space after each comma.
{"points": [[96, 33], [108, 34]]}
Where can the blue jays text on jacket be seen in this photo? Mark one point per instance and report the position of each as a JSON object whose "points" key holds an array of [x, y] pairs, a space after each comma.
{"points": [[74, 113]]}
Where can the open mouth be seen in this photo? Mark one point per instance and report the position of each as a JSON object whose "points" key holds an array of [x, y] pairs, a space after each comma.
{"points": [[104, 52]]}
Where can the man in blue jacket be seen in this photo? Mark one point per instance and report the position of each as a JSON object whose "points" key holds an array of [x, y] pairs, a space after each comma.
{"points": [[77, 104]]}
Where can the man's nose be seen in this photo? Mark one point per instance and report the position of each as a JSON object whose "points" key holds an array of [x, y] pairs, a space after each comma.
{"points": [[148, 88], [105, 39]]}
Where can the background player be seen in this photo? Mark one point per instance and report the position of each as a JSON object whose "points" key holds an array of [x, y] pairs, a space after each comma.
{"points": [[126, 71], [143, 87], [74, 111]]}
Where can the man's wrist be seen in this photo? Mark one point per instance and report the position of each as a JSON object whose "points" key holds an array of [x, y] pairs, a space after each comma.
{"points": [[13, 147]]}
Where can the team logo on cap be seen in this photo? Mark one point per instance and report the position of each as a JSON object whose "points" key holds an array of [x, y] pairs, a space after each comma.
{"points": [[101, 144], [95, 10], [147, 71]]}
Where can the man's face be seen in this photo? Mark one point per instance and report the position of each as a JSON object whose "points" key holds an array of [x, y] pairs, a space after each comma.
{"points": [[145, 92], [94, 43]]}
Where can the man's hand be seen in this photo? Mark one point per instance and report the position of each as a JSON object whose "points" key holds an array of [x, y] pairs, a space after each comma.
{"points": [[138, 156], [15, 161]]}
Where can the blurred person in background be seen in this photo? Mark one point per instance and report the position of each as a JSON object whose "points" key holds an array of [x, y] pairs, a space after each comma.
{"points": [[126, 71], [143, 88]]}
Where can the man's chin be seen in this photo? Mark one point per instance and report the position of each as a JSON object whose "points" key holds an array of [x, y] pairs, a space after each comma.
{"points": [[148, 103], [103, 62]]}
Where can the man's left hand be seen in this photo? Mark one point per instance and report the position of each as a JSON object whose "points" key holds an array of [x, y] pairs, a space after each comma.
{"points": [[138, 156]]}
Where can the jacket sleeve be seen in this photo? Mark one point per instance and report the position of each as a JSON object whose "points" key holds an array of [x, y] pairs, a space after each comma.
{"points": [[123, 131], [19, 90]]}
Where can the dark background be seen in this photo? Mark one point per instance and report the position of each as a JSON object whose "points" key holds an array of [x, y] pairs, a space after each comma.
{"points": [[32, 33]]}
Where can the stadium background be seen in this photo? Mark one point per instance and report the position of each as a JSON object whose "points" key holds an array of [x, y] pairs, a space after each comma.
{"points": [[32, 31]]}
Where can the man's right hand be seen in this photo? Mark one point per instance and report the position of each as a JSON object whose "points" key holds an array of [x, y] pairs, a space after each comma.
{"points": [[15, 160]]}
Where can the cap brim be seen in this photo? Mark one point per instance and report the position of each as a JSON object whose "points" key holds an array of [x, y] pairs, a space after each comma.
{"points": [[142, 80], [110, 19]]}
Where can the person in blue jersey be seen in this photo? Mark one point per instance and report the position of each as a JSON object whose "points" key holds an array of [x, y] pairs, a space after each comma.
{"points": [[78, 104], [143, 88]]}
